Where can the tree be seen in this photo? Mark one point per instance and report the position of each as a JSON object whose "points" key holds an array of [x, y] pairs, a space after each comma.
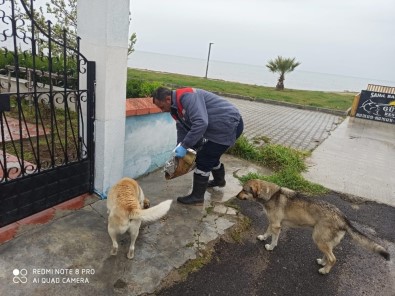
{"points": [[132, 42], [282, 66], [65, 14]]}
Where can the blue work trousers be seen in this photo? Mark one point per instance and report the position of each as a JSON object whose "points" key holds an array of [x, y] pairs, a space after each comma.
{"points": [[210, 154]]}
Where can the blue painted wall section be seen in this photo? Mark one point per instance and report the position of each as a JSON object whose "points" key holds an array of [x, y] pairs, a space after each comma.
{"points": [[149, 141]]}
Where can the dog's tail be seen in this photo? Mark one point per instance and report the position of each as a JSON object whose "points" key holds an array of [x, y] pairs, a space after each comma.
{"points": [[366, 242], [152, 214]]}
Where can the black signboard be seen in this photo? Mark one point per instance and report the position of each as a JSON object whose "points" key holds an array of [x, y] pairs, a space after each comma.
{"points": [[376, 106]]}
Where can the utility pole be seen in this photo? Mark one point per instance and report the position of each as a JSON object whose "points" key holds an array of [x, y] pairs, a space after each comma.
{"points": [[208, 58]]}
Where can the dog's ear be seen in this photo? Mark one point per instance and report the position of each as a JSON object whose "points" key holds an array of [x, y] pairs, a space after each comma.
{"points": [[247, 192], [267, 190]]}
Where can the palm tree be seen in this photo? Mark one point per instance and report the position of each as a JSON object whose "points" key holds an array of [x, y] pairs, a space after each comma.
{"points": [[282, 65]]}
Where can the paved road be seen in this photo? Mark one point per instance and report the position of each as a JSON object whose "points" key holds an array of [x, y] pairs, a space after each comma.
{"points": [[296, 128]]}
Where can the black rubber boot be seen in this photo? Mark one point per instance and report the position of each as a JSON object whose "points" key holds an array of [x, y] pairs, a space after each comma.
{"points": [[197, 194], [219, 177]]}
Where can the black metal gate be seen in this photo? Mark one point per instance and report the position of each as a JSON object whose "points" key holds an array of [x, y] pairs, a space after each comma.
{"points": [[46, 115]]}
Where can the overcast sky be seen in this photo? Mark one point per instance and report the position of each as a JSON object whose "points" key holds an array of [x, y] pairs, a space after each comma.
{"points": [[346, 37]]}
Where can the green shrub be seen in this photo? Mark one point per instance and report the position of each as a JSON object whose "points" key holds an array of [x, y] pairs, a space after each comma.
{"points": [[5, 59], [136, 88], [25, 60]]}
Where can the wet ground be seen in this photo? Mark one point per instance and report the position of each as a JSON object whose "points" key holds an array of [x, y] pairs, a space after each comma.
{"points": [[78, 240], [246, 268]]}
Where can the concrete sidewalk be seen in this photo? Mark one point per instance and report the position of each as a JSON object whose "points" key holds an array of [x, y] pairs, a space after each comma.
{"points": [[357, 159]]}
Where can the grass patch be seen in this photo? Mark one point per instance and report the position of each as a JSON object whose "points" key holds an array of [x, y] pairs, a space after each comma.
{"points": [[195, 264], [290, 179], [287, 164], [209, 210], [261, 140], [273, 156], [59, 127], [321, 99], [230, 204], [190, 245], [242, 226]]}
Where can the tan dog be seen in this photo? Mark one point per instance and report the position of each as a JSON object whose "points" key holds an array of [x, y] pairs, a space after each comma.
{"points": [[127, 208], [284, 208]]}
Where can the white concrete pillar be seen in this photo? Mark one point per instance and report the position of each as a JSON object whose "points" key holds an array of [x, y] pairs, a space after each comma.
{"points": [[103, 28]]}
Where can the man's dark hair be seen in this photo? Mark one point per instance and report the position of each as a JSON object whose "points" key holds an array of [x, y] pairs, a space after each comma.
{"points": [[161, 93]]}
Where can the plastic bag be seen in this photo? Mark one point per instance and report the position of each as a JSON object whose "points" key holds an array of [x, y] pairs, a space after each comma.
{"points": [[176, 167]]}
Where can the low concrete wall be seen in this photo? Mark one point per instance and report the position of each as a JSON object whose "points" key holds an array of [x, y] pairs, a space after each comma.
{"points": [[150, 137], [9, 85]]}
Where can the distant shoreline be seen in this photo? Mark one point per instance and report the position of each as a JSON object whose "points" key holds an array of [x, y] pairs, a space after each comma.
{"points": [[252, 75], [262, 68]]}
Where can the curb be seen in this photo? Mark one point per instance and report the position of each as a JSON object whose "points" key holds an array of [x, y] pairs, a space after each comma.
{"points": [[13, 230]]}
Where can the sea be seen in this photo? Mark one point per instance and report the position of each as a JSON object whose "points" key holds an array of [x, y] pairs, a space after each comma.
{"points": [[249, 74]]}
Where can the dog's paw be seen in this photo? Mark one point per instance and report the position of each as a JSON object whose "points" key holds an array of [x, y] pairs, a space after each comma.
{"points": [[147, 204], [269, 247], [323, 270], [114, 251], [261, 237], [321, 262], [130, 255]]}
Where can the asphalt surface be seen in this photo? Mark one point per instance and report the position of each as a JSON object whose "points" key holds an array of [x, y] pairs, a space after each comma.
{"points": [[246, 268]]}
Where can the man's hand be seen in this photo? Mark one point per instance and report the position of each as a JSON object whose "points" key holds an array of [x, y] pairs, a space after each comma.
{"points": [[180, 151]]}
